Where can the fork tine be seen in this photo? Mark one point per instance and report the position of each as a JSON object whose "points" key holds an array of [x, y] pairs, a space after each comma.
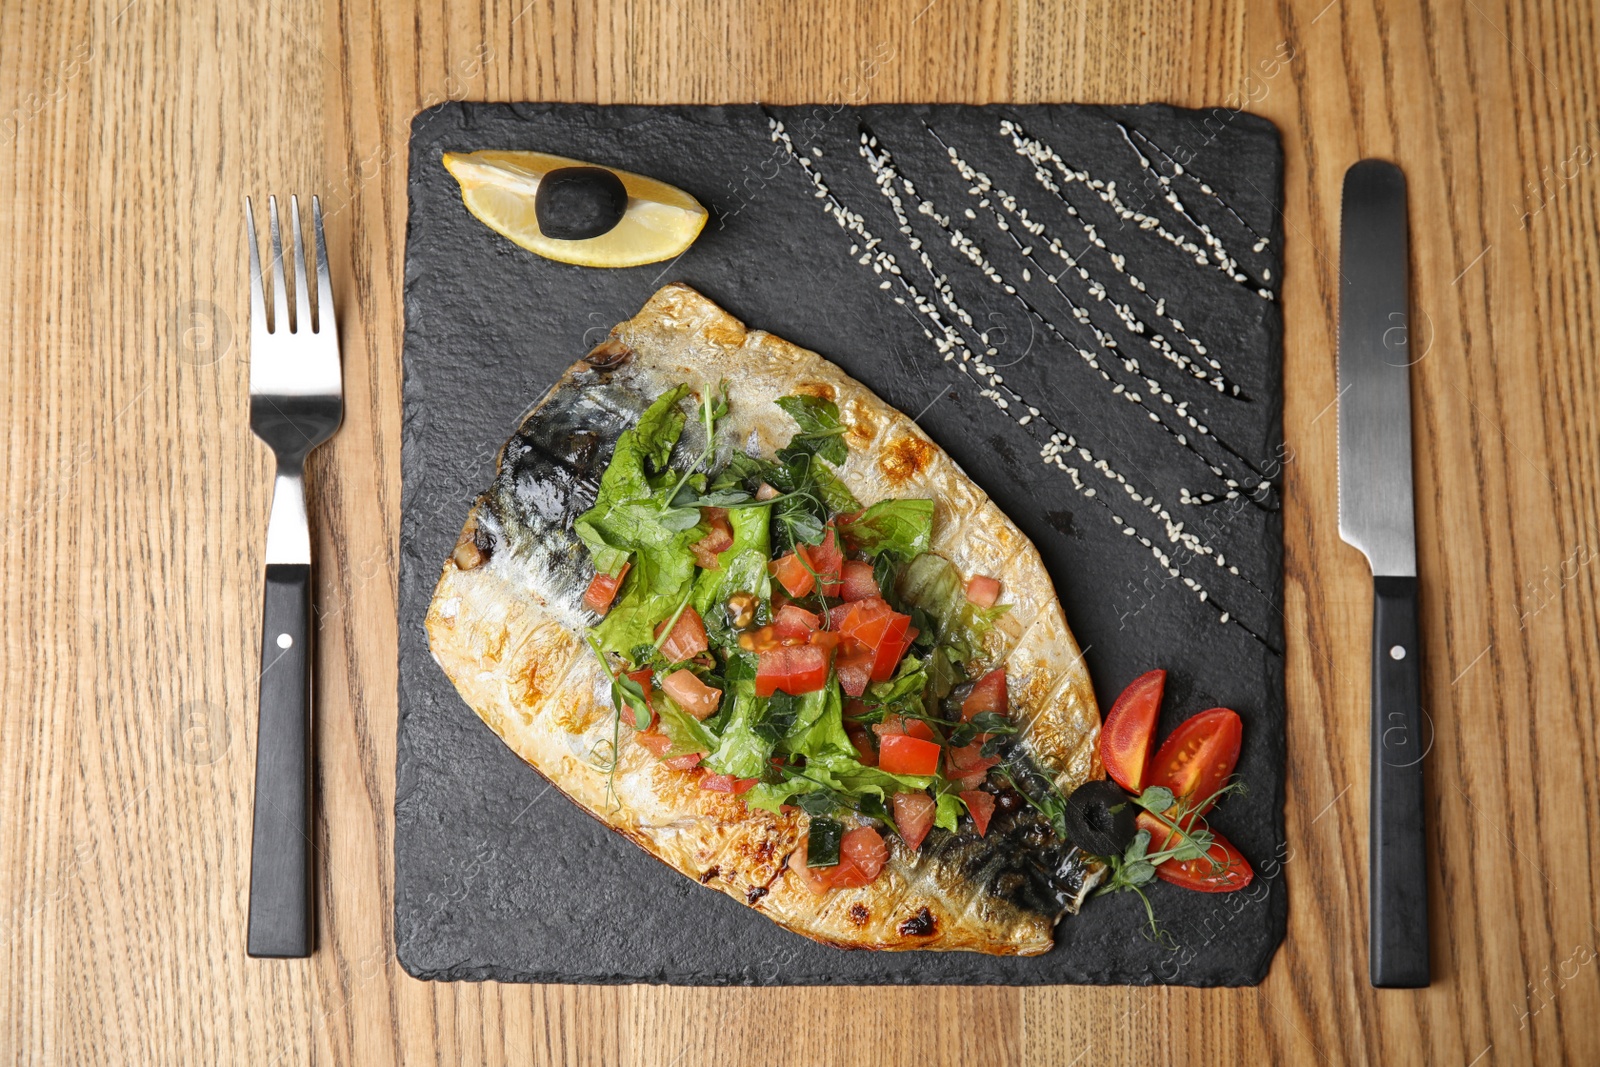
{"points": [[280, 294], [302, 296], [325, 317], [258, 300]]}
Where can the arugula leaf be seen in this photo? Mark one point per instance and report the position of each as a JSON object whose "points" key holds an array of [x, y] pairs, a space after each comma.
{"points": [[821, 433], [902, 528]]}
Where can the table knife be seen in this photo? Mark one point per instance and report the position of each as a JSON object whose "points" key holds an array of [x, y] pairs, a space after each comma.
{"points": [[1376, 516]]}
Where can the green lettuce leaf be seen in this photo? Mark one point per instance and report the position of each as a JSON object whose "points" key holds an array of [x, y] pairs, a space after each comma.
{"points": [[948, 809], [632, 520], [686, 733], [818, 728], [754, 725], [743, 563], [902, 528]]}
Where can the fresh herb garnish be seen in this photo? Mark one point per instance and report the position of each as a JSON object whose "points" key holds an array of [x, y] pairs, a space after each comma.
{"points": [[820, 431], [1188, 839]]}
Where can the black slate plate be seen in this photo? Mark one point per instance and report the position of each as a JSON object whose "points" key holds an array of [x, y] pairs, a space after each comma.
{"points": [[497, 876]]}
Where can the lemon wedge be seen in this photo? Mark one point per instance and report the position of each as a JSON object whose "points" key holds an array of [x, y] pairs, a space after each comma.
{"points": [[659, 222]]}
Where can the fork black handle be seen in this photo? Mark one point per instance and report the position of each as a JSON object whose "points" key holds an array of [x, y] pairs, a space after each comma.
{"points": [[281, 915], [1398, 938]]}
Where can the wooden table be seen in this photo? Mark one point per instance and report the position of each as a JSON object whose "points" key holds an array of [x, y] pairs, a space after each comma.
{"points": [[136, 501]]}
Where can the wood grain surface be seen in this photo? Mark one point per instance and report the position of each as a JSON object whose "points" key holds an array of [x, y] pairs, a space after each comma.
{"points": [[136, 499]]}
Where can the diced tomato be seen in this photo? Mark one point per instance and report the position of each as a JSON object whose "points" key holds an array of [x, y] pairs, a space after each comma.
{"points": [[1129, 733], [718, 538], [795, 669], [603, 590], [913, 815], [692, 695], [862, 740], [683, 763], [988, 694], [687, 639], [795, 622], [1221, 870], [826, 559], [656, 743], [968, 763], [981, 806], [864, 619], [904, 754], [983, 590], [897, 724], [817, 879], [858, 581], [1196, 760], [873, 623], [854, 665], [887, 656], [862, 854], [791, 572], [727, 783], [643, 677]]}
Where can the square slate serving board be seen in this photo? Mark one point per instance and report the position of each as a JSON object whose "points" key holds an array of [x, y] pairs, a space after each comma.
{"points": [[1149, 229]]}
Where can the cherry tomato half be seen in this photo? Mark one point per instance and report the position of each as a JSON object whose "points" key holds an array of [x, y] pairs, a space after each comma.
{"points": [[1199, 756], [1221, 870], [1129, 733]]}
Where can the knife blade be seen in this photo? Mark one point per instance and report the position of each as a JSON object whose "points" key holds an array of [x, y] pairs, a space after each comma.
{"points": [[1376, 515]]}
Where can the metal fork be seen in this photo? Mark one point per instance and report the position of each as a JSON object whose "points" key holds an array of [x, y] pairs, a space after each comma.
{"points": [[296, 403]]}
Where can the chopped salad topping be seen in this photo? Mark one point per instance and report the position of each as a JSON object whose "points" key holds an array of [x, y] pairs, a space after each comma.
{"points": [[768, 635]]}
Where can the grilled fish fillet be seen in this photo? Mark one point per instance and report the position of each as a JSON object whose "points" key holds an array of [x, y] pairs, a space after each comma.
{"points": [[506, 624]]}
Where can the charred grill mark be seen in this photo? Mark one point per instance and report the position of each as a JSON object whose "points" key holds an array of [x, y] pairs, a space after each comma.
{"points": [[921, 924], [710, 875], [754, 893], [904, 459], [859, 914]]}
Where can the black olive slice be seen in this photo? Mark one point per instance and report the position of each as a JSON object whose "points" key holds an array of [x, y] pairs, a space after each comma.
{"points": [[1100, 818], [577, 203]]}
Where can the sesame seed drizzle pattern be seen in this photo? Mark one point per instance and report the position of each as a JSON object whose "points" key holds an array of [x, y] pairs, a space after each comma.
{"points": [[1060, 446], [1000, 204], [1218, 251], [1214, 254], [989, 195], [1179, 170]]}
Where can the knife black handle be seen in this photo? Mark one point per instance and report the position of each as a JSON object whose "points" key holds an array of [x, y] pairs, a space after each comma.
{"points": [[1398, 938], [281, 915]]}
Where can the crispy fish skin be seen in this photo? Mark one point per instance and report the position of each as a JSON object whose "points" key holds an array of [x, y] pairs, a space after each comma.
{"points": [[506, 622]]}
